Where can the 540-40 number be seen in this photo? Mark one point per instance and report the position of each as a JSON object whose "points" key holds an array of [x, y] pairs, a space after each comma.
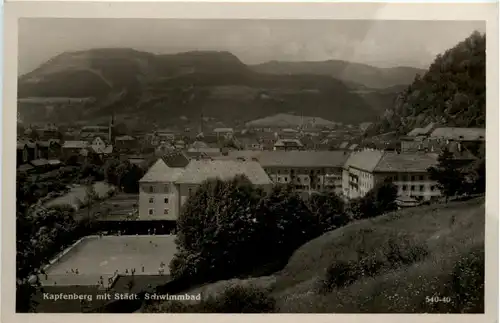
{"points": [[437, 299]]}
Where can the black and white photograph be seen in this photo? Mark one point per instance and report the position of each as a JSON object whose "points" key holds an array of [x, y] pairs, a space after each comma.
{"points": [[250, 165]]}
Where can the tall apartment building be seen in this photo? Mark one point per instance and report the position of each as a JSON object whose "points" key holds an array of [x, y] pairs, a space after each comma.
{"points": [[408, 171]]}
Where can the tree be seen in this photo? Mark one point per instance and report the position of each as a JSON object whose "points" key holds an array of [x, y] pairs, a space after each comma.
{"points": [[329, 210], [217, 230], [130, 180], [379, 200], [447, 174], [385, 196], [91, 197], [286, 222]]}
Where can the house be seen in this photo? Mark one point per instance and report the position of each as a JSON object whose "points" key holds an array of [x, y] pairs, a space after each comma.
{"points": [[159, 136], [459, 134], [422, 132], [172, 179], [49, 132], [248, 143], [22, 156], [306, 170], [73, 147], [27, 151], [158, 196], [288, 144], [408, 171], [90, 132], [125, 142], [288, 133], [422, 140], [222, 133], [50, 149]]}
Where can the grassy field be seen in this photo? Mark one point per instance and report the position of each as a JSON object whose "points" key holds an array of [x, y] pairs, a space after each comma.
{"points": [[394, 263], [78, 193]]}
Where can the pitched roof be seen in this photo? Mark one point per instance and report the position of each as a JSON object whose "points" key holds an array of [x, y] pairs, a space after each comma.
{"points": [[344, 145], [39, 162], [415, 132], [125, 138], [223, 130], [302, 158], [160, 172], [199, 144], [199, 171], [208, 150], [365, 160], [288, 142], [459, 133], [353, 146], [405, 162], [175, 159], [25, 168], [75, 144], [21, 144]]}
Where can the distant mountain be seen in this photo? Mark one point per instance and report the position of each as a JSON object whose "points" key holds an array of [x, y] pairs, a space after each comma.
{"points": [[354, 74], [288, 120], [452, 92], [90, 85]]}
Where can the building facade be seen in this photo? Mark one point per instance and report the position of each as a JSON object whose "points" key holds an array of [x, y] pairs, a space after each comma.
{"points": [[408, 171], [306, 170], [168, 185]]}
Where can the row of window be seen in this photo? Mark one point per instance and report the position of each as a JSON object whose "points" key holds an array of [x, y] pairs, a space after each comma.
{"points": [[152, 200], [301, 171], [421, 188], [166, 189], [405, 178], [151, 189], [152, 211]]}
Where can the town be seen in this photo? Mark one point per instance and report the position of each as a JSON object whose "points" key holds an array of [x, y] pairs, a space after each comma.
{"points": [[224, 187]]}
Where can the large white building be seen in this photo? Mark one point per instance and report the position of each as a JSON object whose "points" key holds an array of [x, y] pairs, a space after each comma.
{"points": [[408, 171], [306, 170], [172, 179]]}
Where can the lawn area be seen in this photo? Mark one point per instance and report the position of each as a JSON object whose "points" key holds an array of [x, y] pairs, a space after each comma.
{"points": [[390, 264], [78, 193], [120, 207]]}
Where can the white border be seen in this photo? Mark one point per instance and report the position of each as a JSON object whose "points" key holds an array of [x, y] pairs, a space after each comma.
{"points": [[205, 10]]}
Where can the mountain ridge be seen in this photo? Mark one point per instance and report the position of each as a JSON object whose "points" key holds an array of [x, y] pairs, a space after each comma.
{"points": [[452, 92], [168, 86]]}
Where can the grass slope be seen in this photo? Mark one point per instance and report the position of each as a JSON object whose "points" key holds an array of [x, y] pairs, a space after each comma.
{"points": [[389, 264], [395, 262]]}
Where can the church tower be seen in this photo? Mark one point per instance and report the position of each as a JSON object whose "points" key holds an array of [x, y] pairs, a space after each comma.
{"points": [[111, 127]]}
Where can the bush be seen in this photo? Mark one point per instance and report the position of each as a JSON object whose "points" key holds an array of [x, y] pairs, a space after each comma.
{"points": [[468, 282], [329, 209], [239, 299], [379, 200], [286, 222], [396, 251]]}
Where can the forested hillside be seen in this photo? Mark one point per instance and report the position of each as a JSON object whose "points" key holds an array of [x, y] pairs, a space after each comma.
{"points": [[452, 92]]}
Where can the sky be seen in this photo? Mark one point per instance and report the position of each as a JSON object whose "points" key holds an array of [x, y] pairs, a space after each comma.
{"points": [[380, 43]]}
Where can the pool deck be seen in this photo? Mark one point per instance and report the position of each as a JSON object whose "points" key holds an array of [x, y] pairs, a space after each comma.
{"points": [[110, 256]]}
